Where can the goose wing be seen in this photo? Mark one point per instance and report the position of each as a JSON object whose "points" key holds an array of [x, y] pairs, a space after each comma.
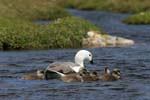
{"points": [[63, 67]]}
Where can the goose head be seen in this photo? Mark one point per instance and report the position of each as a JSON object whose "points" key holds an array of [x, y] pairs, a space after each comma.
{"points": [[83, 55], [107, 70], [40, 73]]}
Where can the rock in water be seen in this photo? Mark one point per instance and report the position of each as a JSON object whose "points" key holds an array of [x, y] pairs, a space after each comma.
{"points": [[95, 39]]}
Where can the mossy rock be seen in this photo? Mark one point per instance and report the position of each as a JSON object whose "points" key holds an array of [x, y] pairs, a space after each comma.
{"points": [[140, 18]]}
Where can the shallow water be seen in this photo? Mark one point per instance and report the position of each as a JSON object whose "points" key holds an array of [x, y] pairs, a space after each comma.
{"points": [[133, 61]]}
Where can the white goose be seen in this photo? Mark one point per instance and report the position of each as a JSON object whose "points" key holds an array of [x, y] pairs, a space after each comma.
{"points": [[71, 67]]}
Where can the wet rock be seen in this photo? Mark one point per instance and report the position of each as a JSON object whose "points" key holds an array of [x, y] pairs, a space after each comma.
{"points": [[96, 39]]}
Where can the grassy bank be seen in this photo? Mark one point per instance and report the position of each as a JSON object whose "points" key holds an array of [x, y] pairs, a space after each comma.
{"points": [[62, 33], [129, 6], [31, 10], [18, 30], [140, 18], [126, 6]]}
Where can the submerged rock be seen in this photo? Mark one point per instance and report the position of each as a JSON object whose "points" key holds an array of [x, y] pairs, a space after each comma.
{"points": [[96, 39]]}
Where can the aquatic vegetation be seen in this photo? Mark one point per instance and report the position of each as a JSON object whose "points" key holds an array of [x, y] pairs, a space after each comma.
{"points": [[62, 33], [140, 18]]}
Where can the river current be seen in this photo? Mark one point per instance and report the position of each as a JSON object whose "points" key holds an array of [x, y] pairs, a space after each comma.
{"points": [[133, 61]]}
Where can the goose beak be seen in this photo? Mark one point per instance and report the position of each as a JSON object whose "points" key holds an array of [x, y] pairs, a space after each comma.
{"points": [[92, 61]]}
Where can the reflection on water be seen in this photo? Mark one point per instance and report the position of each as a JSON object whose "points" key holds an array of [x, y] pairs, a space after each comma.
{"points": [[133, 61]]}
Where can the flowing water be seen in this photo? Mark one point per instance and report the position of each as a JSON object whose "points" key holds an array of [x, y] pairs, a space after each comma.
{"points": [[133, 61]]}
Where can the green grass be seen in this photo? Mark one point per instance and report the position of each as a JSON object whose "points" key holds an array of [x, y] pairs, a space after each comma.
{"points": [[126, 6], [18, 30], [31, 10], [63, 33], [123, 6], [82, 4], [140, 18]]}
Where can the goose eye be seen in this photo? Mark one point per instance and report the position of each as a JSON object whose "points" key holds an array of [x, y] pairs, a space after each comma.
{"points": [[89, 54]]}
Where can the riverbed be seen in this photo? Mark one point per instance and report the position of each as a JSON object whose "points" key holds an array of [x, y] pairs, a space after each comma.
{"points": [[133, 61]]}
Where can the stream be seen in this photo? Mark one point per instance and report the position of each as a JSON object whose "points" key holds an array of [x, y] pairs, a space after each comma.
{"points": [[133, 61]]}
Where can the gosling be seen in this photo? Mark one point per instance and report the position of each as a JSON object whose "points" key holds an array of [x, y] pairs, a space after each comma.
{"points": [[110, 76], [83, 76], [38, 75]]}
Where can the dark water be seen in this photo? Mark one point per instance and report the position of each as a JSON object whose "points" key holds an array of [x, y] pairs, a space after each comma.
{"points": [[133, 61]]}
